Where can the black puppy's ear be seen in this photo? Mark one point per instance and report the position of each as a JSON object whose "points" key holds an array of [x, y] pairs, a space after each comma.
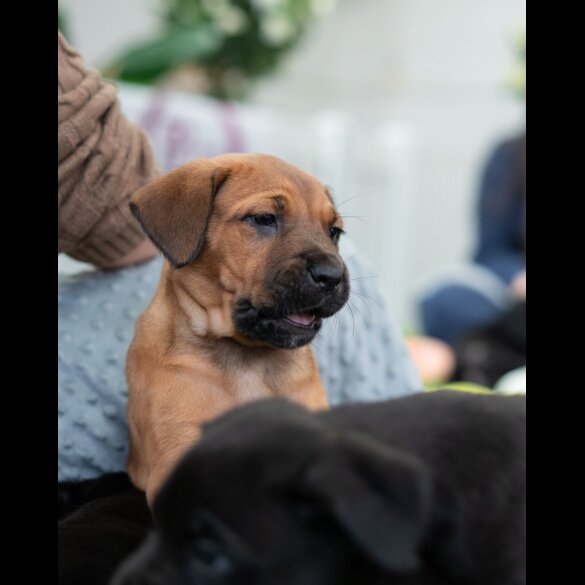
{"points": [[174, 210], [380, 497]]}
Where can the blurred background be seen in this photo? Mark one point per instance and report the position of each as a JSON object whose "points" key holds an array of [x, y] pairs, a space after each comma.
{"points": [[396, 104]]}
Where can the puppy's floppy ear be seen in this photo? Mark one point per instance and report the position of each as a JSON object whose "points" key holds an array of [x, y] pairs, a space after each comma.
{"points": [[379, 497], [174, 210]]}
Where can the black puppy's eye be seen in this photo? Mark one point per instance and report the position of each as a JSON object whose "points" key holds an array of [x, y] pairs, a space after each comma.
{"points": [[335, 232], [263, 219], [209, 556]]}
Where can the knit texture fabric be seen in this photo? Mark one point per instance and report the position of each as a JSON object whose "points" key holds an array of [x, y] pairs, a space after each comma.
{"points": [[103, 159], [360, 351]]}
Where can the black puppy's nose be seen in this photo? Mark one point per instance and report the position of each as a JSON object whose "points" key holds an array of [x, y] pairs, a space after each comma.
{"points": [[326, 274]]}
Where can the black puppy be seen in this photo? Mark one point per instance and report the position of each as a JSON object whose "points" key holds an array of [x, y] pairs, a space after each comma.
{"points": [[426, 489], [483, 356]]}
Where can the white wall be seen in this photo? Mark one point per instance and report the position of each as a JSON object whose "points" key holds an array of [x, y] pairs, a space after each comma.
{"points": [[98, 29], [436, 67]]}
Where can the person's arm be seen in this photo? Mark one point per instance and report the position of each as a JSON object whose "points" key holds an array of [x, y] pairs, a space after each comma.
{"points": [[501, 217], [103, 159], [142, 252]]}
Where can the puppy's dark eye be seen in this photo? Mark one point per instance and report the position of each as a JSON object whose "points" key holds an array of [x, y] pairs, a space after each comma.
{"points": [[263, 219], [335, 232], [209, 557]]}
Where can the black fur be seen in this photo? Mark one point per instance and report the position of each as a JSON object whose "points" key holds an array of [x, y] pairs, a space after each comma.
{"points": [[101, 522], [426, 489]]}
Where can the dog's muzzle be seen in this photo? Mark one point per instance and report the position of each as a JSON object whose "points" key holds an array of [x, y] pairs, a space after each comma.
{"points": [[312, 289]]}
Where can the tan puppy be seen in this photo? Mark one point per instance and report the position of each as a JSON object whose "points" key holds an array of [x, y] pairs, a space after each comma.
{"points": [[252, 268]]}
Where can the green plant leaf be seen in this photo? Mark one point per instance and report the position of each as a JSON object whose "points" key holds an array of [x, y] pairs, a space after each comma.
{"points": [[146, 61]]}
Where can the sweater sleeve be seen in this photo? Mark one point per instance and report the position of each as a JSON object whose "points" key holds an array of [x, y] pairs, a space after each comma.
{"points": [[103, 159]]}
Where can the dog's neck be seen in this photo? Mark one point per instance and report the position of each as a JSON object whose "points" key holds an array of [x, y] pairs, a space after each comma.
{"points": [[245, 370], [202, 310], [194, 320], [202, 313]]}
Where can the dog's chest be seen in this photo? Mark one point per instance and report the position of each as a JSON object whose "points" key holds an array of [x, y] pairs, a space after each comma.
{"points": [[250, 385]]}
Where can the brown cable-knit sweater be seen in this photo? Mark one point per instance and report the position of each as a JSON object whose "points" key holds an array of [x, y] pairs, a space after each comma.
{"points": [[103, 159]]}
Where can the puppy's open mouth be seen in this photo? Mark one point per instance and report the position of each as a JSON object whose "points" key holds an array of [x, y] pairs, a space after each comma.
{"points": [[306, 319], [279, 326], [301, 322]]}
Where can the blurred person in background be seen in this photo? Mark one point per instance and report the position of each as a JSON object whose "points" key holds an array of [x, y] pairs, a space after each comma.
{"points": [[462, 303]]}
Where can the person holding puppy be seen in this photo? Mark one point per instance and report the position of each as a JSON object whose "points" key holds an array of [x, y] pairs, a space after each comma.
{"points": [[103, 162]]}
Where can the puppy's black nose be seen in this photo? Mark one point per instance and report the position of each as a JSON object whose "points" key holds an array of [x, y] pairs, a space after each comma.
{"points": [[327, 274]]}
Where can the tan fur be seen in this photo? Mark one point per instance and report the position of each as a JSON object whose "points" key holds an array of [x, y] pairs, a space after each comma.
{"points": [[187, 363]]}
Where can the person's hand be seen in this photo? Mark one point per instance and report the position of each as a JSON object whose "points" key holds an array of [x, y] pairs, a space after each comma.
{"points": [[143, 251], [433, 358], [518, 285]]}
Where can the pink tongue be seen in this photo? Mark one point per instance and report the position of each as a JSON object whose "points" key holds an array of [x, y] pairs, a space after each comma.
{"points": [[301, 318]]}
